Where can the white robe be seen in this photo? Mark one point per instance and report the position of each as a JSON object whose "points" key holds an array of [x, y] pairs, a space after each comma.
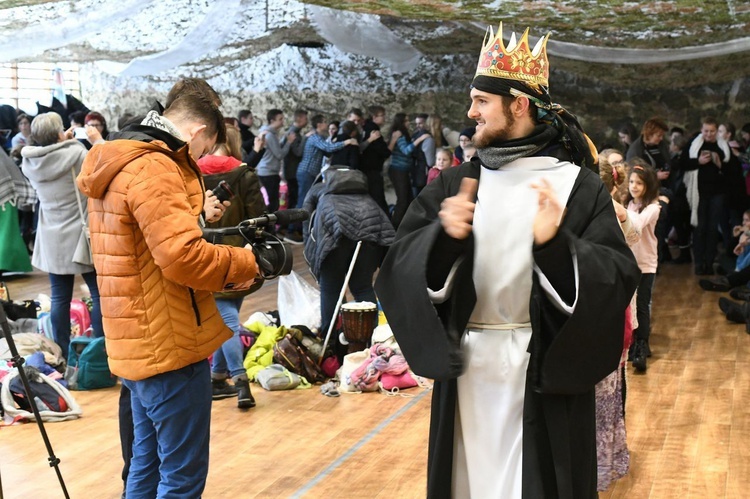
{"points": [[487, 460]]}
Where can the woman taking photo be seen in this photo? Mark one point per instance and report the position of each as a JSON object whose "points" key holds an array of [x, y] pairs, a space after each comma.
{"points": [[61, 249]]}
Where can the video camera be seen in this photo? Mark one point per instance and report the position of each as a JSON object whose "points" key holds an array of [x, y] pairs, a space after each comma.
{"points": [[273, 256]]}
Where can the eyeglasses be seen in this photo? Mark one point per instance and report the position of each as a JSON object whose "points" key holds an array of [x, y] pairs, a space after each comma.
{"points": [[97, 125]]}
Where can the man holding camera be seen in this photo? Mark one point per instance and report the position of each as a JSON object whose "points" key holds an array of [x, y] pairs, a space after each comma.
{"points": [[156, 277]]}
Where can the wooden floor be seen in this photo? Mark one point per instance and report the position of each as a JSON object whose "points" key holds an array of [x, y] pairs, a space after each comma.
{"points": [[688, 422]]}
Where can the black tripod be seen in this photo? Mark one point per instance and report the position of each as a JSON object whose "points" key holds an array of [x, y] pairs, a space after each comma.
{"points": [[17, 362]]}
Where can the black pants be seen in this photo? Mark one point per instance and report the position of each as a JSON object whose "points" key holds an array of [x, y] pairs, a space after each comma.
{"points": [[376, 187], [125, 417], [271, 184], [740, 278], [402, 186], [643, 306]]}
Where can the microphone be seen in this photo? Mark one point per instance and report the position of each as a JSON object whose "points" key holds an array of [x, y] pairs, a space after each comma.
{"points": [[281, 217]]}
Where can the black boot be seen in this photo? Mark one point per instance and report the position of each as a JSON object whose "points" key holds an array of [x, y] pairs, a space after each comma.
{"points": [[220, 389], [639, 356], [245, 399]]}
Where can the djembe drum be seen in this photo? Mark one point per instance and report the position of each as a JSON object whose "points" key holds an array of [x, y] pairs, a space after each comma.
{"points": [[359, 320]]}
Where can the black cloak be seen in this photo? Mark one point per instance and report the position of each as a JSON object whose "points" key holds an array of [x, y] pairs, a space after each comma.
{"points": [[569, 354]]}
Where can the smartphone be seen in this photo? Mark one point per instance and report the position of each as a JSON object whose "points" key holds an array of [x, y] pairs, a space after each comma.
{"points": [[80, 133]]}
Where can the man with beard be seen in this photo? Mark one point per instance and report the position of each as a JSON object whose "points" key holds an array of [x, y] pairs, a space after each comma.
{"points": [[508, 284]]}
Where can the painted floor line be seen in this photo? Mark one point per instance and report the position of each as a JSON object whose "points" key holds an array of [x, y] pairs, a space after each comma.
{"points": [[354, 448]]}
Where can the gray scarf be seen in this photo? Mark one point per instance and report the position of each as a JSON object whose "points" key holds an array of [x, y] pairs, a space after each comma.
{"points": [[495, 157]]}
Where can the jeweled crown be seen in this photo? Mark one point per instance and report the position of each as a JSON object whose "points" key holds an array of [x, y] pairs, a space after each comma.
{"points": [[516, 61]]}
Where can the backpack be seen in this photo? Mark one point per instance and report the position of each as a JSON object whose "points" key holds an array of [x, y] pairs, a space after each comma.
{"points": [[54, 402], [289, 353], [87, 364], [80, 319]]}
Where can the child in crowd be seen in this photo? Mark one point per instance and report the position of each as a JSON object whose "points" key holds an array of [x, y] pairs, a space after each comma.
{"points": [[612, 456], [443, 160], [742, 250], [643, 205], [469, 151]]}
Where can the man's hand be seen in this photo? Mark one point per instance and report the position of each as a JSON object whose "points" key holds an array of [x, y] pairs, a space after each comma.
{"points": [[662, 174], [375, 135], [291, 137], [351, 142], [421, 139], [547, 220], [457, 212], [212, 208], [704, 158], [259, 143]]}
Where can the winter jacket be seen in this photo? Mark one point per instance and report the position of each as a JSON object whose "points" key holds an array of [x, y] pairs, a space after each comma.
{"points": [[247, 203], [155, 272], [342, 208], [50, 170]]}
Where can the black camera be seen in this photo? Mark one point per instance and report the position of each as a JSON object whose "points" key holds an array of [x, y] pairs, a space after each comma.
{"points": [[273, 256], [223, 192]]}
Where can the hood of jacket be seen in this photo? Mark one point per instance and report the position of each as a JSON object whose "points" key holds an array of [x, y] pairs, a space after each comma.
{"points": [[52, 161], [105, 161], [211, 165]]}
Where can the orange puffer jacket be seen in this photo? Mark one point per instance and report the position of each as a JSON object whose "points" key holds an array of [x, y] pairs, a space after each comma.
{"points": [[154, 271]]}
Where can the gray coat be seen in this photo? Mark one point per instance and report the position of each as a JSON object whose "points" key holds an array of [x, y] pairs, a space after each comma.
{"points": [[59, 230]]}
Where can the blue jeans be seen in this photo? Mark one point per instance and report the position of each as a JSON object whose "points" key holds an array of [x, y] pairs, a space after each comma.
{"points": [[333, 273], [304, 182], [62, 292], [228, 357], [172, 422]]}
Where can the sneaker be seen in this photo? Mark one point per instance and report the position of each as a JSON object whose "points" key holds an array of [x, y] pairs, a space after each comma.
{"points": [[720, 283], [245, 399], [293, 237], [220, 389]]}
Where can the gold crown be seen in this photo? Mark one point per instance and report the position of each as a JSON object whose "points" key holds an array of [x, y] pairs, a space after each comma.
{"points": [[516, 61]]}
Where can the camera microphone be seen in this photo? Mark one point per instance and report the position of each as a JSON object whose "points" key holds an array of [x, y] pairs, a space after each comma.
{"points": [[281, 217]]}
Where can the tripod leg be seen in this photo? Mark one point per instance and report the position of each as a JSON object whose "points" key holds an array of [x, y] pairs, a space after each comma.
{"points": [[17, 362]]}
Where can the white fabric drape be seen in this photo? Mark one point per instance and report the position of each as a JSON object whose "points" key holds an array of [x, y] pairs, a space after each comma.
{"points": [[364, 34], [75, 28], [609, 55]]}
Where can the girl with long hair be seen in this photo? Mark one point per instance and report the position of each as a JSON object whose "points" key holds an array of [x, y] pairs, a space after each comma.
{"points": [[643, 204]]}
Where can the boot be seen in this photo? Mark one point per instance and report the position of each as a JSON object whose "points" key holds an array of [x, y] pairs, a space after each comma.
{"points": [[639, 356], [245, 399], [220, 389]]}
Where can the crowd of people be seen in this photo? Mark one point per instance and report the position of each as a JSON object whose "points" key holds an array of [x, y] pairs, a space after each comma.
{"points": [[679, 196]]}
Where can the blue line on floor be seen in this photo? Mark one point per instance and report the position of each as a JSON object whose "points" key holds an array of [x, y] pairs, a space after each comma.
{"points": [[342, 459]]}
